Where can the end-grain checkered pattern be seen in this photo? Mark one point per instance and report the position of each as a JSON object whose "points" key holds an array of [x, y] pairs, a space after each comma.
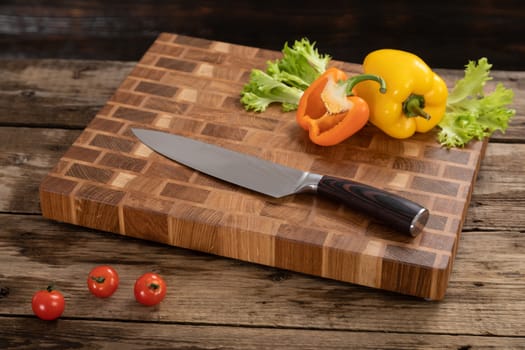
{"points": [[108, 180]]}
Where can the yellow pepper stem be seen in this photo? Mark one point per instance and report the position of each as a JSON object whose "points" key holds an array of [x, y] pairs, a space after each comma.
{"points": [[413, 107]]}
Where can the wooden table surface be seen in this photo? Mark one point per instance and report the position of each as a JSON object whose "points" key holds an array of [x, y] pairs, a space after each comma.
{"points": [[217, 302]]}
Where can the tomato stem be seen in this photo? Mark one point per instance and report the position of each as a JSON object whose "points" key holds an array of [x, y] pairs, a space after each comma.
{"points": [[154, 286], [98, 279]]}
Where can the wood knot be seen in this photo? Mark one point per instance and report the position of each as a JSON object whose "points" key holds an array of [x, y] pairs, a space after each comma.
{"points": [[18, 159], [280, 276], [77, 72], [4, 292], [28, 93]]}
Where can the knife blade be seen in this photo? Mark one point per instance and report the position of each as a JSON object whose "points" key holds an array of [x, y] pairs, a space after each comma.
{"points": [[277, 180]]}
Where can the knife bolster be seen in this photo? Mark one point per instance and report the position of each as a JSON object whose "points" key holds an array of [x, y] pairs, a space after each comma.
{"points": [[308, 183]]}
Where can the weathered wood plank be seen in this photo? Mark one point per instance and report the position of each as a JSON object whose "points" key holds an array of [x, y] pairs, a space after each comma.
{"points": [[206, 289], [498, 200], [26, 155], [93, 334], [58, 93]]}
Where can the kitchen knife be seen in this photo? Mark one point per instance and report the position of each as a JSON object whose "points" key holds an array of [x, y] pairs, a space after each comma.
{"points": [[277, 180]]}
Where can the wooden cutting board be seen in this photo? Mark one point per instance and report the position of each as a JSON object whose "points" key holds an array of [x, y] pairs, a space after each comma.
{"points": [[109, 181]]}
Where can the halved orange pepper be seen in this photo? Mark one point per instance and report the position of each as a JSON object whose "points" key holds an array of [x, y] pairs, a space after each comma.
{"points": [[330, 111]]}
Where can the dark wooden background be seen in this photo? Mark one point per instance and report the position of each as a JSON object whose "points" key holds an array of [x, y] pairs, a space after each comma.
{"points": [[445, 34]]}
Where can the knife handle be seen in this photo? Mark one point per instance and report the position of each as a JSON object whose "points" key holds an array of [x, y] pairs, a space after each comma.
{"points": [[390, 209]]}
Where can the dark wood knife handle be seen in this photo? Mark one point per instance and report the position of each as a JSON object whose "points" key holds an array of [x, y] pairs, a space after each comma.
{"points": [[388, 208]]}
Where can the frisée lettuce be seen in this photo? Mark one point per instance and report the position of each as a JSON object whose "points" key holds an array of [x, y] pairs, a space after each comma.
{"points": [[285, 79], [471, 113]]}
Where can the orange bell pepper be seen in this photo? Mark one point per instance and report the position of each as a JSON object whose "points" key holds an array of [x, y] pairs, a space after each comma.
{"points": [[330, 111]]}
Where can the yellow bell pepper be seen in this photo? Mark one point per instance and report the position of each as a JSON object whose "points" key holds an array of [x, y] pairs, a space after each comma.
{"points": [[416, 97]]}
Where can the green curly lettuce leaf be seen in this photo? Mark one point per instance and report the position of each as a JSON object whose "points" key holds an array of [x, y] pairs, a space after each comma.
{"points": [[262, 89], [290, 79], [472, 114], [303, 60], [285, 79]]}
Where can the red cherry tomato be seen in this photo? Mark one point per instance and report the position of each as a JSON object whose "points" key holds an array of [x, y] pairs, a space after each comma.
{"points": [[150, 289], [103, 281], [48, 304]]}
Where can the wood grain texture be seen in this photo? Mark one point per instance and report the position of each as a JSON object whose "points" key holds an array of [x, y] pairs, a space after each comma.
{"points": [[65, 92], [78, 334], [217, 302], [101, 180]]}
